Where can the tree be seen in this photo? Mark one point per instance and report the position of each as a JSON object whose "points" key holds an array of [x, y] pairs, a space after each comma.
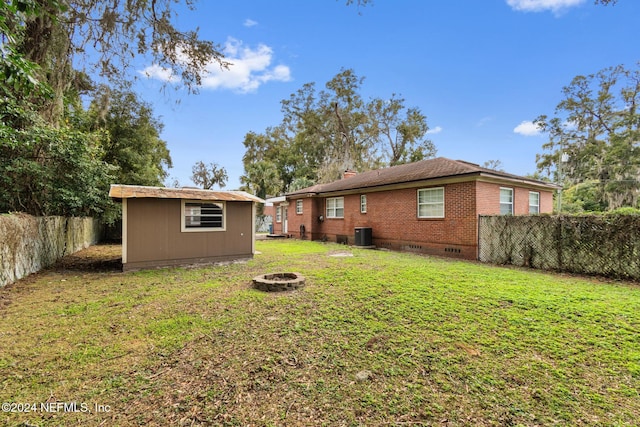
{"points": [[208, 176], [54, 171], [18, 74], [132, 141], [496, 165], [41, 39], [596, 130], [583, 197], [46, 170], [261, 178], [324, 133], [400, 138]]}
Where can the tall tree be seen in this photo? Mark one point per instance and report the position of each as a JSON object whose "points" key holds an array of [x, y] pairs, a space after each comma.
{"points": [[596, 132], [493, 164], [103, 36], [132, 141], [206, 176], [326, 132], [41, 39], [52, 171], [261, 179], [401, 138]]}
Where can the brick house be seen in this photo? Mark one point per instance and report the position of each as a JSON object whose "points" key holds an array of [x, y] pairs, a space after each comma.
{"points": [[431, 206], [273, 209]]}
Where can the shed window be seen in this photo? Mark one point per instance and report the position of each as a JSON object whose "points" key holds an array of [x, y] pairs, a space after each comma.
{"points": [[506, 201], [431, 203], [534, 202], [298, 206], [335, 207], [203, 216]]}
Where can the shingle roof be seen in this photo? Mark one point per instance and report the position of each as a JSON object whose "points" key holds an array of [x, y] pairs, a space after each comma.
{"points": [[440, 167], [119, 191]]}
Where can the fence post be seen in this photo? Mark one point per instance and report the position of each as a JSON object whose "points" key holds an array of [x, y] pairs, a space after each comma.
{"points": [[479, 239], [559, 241]]}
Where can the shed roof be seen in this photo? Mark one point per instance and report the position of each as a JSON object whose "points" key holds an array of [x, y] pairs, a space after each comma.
{"points": [[423, 170], [119, 192]]}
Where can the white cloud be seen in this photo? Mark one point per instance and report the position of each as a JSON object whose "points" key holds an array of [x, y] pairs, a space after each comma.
{"points": [[435, 130], [250, 68], [250, 23], [556, 6], [527, 128], [159, 73]]}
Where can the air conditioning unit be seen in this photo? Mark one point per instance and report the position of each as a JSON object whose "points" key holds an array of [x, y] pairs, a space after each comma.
{"points": [[364, 236]]}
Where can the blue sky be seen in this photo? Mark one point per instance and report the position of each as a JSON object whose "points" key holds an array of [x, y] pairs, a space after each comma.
{"points": [[479, 70]]}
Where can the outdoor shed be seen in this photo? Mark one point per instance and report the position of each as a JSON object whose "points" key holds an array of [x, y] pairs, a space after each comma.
{"points": [[177, 226]]}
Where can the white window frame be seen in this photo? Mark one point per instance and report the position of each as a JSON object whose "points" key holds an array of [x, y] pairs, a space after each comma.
{"points": [[299, 207], [184, 211], [534, 209], [510, 204], [363, 203], [333, 206], [278, 214], [430, 203]]}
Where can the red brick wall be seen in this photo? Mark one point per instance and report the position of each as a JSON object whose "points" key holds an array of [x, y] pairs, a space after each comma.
{"points": [[392, 215], [488, 199], [546, 202]]}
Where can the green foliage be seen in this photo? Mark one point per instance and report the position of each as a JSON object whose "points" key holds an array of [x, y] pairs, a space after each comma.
{"points": [[597, 127], [261, 179], [67, 170], [625, 211], [326, 132], [18, 74], [49, 171], [132, 136], [583, 197]]}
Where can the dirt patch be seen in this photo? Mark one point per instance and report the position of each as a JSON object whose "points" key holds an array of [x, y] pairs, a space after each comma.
{"points": [[102, 257], [340, 254]]}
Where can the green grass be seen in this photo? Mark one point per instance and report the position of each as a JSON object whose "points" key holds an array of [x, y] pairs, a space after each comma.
{"points": [[446, 342]]}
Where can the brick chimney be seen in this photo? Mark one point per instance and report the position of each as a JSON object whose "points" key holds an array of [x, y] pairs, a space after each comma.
{"points": [[349, 173]]}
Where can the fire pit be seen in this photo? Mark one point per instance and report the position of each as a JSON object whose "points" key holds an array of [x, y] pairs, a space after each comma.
{"points": [[278, 282]]}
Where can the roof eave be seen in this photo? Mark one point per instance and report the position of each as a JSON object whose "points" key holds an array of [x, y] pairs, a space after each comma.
{"points": [[428, 181]]}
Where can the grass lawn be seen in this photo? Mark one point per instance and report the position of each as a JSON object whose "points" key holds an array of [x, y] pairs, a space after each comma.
{"points": [[376, 338]]}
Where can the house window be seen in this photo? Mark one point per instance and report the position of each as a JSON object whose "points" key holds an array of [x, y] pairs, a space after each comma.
{"points": [[431, 203], [298, 206], [203, 216], [506, 201], [534, 202], [363, 203], [335, 207], [278, 214]]}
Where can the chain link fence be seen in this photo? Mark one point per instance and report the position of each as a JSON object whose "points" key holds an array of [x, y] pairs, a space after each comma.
{"points": [[607, 245]]}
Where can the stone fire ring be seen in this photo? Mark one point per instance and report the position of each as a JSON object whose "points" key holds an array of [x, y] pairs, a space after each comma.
{"points": [[278, 282]]}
